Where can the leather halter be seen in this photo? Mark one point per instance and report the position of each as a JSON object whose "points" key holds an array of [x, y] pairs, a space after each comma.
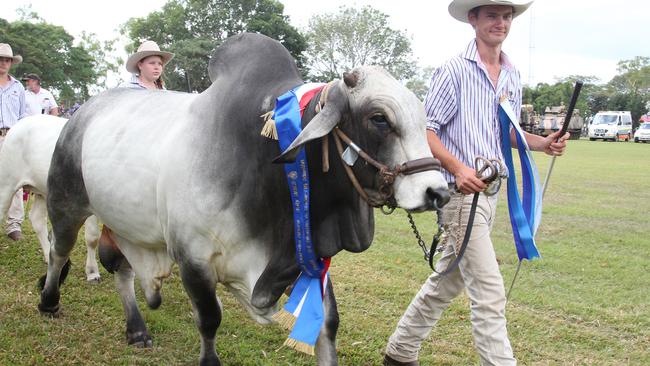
{"points": [[387, 175]]}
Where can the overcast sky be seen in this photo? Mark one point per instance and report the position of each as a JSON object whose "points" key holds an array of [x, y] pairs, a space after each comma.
{"points": [[554, 38]]}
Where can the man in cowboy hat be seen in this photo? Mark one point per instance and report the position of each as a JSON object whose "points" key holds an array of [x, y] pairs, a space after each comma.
{"points": [[38, 100], [12, 108], [462, 123]]}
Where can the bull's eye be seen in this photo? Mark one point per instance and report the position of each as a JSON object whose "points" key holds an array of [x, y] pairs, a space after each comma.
{"points": [[379, 120]]}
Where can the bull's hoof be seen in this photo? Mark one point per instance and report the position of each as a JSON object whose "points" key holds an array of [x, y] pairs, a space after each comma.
{"points": [[210, 360], [49, 302], [49, 311], [154, 300], [94, 278], [139, 339]]}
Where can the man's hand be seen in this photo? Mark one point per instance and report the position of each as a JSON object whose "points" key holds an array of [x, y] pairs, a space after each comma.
{"points": [[553, 146], [467, 182]]}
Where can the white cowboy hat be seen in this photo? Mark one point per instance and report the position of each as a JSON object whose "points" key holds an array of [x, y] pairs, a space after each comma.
{"points": [[146, 49], [459, 8], [5, 51]]}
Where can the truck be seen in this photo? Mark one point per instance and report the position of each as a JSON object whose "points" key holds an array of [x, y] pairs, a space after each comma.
{"points": [[529, 118], [611, 125], [552, 121]]}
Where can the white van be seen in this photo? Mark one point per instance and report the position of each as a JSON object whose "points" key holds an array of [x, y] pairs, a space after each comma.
{"points": [[611, 125]]}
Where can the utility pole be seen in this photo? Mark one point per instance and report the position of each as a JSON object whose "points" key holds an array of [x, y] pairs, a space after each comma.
{"points": [[531, 46]]}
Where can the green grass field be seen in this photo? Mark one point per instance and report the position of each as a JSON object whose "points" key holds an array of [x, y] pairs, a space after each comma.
{"points": [[586, 302]]}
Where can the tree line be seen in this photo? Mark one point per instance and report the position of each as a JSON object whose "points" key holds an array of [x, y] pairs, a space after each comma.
{"points": [[627, 91], [331, 44]]}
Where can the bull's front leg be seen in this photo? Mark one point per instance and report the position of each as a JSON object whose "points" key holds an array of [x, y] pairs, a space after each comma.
{"points": [[326, 344], [201, 288]]}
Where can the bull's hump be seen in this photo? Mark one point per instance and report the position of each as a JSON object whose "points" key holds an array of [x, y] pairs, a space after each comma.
{"points": [[252, 59]]}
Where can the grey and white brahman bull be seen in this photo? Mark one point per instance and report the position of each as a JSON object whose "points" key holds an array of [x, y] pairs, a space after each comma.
{"points": [[24, 162], [187, 179]]}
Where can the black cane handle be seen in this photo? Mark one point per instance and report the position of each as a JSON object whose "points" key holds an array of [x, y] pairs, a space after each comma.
{"points": [[572, 105]]}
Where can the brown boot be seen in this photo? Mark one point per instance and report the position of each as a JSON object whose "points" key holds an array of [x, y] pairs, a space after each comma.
{"points": [[389, 361], [15, 235]]}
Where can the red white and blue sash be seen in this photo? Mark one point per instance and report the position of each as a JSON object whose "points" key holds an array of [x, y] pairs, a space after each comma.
{"points": [[303, 312]]}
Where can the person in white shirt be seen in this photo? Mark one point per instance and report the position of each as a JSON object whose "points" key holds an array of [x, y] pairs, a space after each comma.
{"points": [[38, 100]]}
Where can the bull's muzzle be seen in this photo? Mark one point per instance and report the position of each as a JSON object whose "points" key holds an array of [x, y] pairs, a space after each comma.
{"points": [[437, 198]]}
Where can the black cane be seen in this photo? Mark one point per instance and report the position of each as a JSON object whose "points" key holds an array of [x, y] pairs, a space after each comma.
{"points": [[565, 126]]}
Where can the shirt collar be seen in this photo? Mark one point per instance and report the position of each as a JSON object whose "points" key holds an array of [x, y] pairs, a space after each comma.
{"points": [[12, 82], [136, 80], [471, 53]]}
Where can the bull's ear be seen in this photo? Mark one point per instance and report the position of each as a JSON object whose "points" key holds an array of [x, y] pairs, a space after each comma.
{"points": [[324, 122]]}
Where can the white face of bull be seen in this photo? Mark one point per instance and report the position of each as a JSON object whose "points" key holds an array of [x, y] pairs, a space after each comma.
{"points": [[388, 122], [395, 113]]}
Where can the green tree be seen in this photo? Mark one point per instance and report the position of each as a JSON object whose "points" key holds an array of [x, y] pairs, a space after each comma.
{"points": [[627, 91], [598, 100], [104, 60], [354, 37], [546, 95], [192, 29], [634, 76], [420, 81], [66, 68], [630, 90]]}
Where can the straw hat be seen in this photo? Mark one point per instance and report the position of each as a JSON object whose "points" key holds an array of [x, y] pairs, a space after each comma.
{"points": [[5, 51], [459, 8], [146, 49]]}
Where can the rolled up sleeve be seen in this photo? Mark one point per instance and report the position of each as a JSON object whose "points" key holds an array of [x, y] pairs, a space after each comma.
{"points": [[440, 102]]}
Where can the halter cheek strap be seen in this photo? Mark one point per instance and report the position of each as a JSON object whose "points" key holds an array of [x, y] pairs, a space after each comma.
{"points": [[387, 175]]}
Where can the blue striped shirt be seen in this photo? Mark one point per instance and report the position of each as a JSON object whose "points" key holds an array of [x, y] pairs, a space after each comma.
{"points": [[134, 83], [462, 106], [12, 103]]}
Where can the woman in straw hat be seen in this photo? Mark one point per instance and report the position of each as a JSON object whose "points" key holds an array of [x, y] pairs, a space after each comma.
{"points": [[462, 123], [147, 65]]}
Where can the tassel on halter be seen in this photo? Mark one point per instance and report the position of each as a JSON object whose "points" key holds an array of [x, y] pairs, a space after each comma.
{"points": [[269, 130]]}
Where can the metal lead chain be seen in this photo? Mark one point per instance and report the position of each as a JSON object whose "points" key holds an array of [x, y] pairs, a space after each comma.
{"points": [[418, 236]]}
